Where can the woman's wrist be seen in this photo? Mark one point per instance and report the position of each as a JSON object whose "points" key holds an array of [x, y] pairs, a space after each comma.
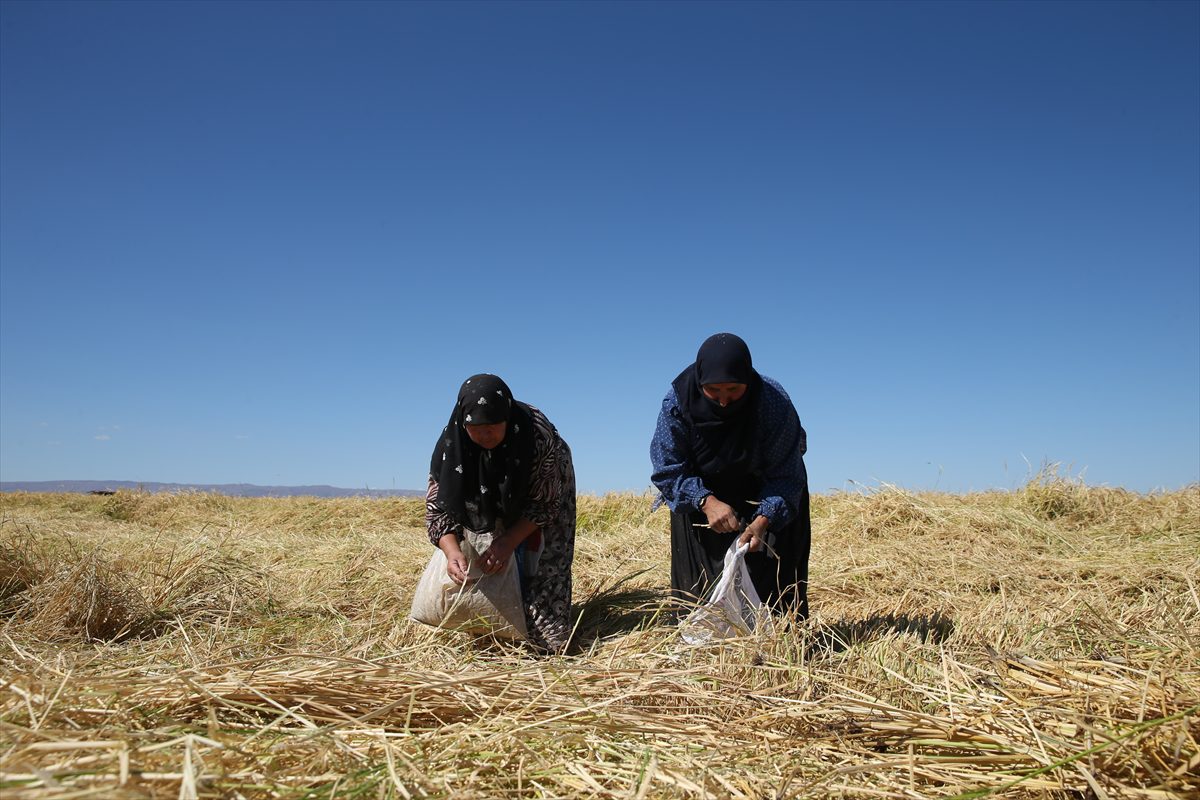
{"points": [[521, 530], [448, 544]]}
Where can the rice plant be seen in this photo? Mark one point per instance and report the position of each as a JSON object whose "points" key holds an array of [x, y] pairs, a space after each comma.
{"points": [[1043, 642]]}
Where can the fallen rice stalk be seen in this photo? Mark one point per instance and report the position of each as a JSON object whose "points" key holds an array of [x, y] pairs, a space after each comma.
{"points": [[1048, 650]]}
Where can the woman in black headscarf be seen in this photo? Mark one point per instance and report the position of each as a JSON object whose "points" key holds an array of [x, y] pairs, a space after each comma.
{"points": [[500, 466], [728, 458]]}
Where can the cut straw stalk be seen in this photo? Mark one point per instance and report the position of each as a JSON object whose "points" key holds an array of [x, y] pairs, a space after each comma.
{"points": [[889, 691]]}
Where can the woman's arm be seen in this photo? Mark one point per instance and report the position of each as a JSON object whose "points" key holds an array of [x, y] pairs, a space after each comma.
{"points": [[783, 443], [443, 533], [545, 483], [437, 522], [456, 562], [673, 474]]}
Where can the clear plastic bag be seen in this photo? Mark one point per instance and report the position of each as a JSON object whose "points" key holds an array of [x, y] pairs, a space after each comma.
{"points": [[484, 603], [732, 608]]}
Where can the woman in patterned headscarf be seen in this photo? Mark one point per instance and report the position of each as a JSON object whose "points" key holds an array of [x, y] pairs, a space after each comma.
{"points": [[500, 466], [728, 458]]}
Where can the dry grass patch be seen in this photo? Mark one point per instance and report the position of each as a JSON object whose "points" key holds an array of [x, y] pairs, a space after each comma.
{"points": [[1039, 643]]}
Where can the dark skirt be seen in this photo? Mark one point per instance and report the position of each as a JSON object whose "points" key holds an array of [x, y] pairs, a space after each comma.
{"points": [[779, 577]]}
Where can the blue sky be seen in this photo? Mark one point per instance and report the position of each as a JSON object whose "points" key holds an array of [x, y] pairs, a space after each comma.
{"points": [[265, 242]]}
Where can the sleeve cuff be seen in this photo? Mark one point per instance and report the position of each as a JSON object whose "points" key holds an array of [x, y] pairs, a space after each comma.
{"points": [[697, 494], [776, 512]]}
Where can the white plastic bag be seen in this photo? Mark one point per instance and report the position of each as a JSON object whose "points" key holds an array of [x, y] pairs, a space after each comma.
{"points": [[484, 603], [733, 606]]}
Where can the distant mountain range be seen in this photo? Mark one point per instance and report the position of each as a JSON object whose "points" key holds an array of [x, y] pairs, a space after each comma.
{"points": [[230, 489]]}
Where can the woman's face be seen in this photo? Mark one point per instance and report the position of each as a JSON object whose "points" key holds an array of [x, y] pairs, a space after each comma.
{"points": [[488, 435], [724, 393]]}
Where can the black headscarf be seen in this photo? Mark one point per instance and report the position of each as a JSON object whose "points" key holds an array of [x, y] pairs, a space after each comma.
{"points": [[479, 487], [722, 439]]}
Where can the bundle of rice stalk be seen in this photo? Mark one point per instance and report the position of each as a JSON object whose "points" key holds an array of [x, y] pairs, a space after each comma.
{"points": [[339, 692], [23, 563], [89, 598], [194, 581]]}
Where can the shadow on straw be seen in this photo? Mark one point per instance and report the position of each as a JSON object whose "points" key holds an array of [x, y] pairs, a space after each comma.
{"points": [[839, 636]]}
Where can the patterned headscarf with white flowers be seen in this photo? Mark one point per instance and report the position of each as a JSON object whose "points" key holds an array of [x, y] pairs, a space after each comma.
{"points": [[479, 487]]}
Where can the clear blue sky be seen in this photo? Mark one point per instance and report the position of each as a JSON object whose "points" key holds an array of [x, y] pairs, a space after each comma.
{"points": [[265, 242]]}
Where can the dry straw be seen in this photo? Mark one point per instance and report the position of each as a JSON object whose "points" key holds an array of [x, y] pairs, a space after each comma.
{"points": [[1035, 643]]}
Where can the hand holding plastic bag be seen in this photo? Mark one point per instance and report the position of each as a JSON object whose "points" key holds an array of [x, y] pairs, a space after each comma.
{"points": [[732, 607]]}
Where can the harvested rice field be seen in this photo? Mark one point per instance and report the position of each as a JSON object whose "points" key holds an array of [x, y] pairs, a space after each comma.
{"points": [[1042, 642]]}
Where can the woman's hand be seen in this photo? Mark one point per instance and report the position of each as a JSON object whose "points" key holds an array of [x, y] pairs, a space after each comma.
{"points": [[720, 515], [503, 545], [456, 562], [496, 556], [754, 534]]}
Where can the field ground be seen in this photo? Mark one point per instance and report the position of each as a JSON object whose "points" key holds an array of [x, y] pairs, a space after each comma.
{"points": [[1043, 642]]}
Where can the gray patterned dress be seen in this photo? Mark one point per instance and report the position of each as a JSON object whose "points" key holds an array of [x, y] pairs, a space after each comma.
{"points": [[551, 506]]}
